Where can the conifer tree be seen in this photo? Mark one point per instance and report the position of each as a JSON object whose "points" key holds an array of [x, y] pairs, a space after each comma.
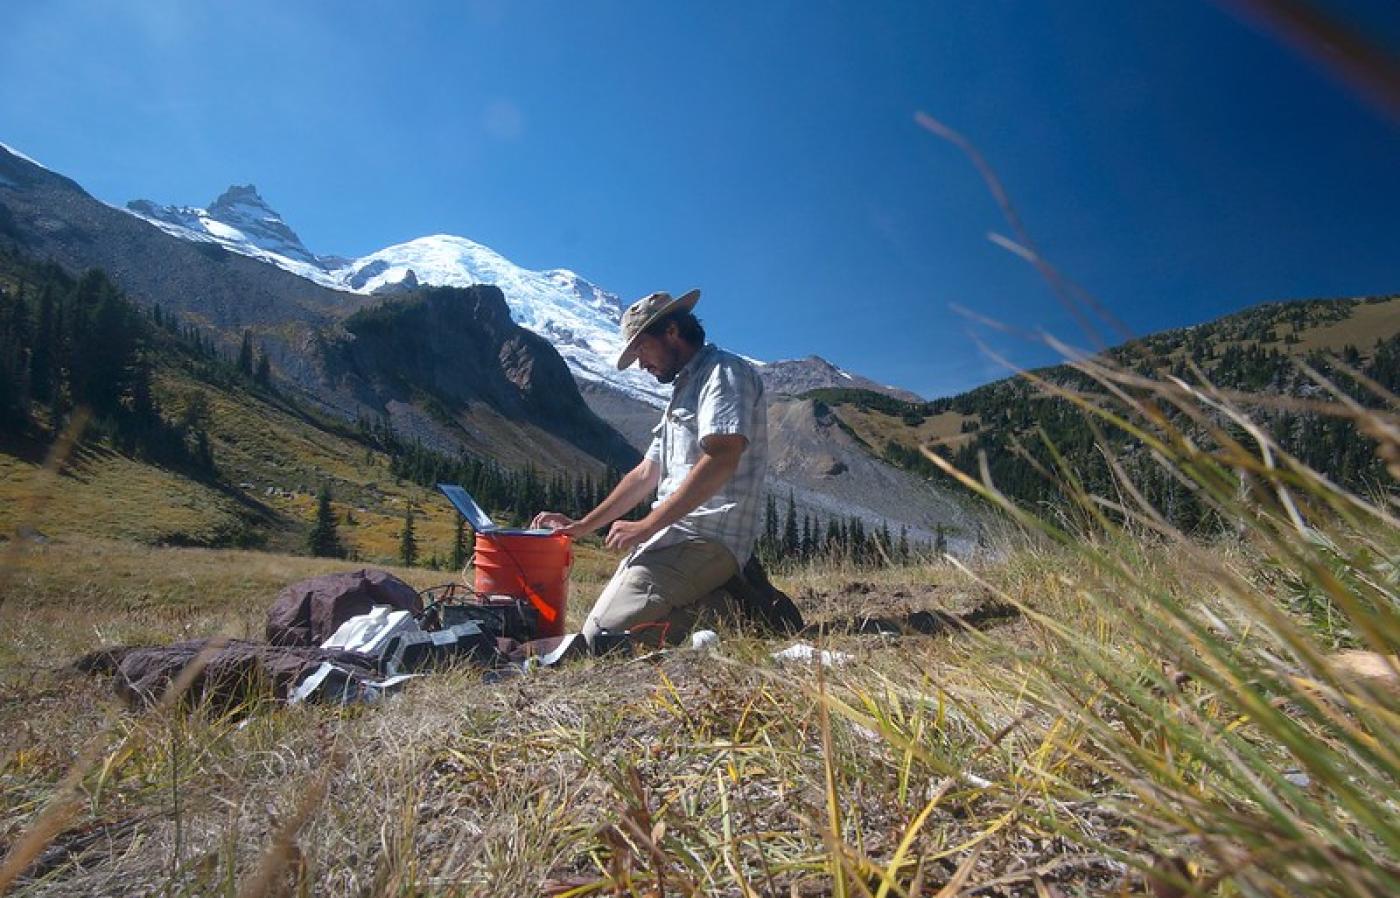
{"points": [[859, 549], [408, 545], [462, 545], [770, 521], [791, 538], [831, 545], [41, 361], [324, 541], [12, 405], [204, 453], [263, 375], [245, 354]]}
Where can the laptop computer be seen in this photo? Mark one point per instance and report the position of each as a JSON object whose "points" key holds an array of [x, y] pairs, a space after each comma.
{"points": [[479, 520]]}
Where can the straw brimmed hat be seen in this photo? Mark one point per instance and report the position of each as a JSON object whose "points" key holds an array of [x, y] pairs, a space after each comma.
{"points": [[642, 313]]}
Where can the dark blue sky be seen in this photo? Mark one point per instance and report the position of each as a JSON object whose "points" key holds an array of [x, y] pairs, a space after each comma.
{"points": [[1177, 162]]}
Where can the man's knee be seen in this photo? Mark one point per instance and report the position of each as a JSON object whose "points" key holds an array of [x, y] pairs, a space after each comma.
{"points": [[662, 586], [630, 598]]}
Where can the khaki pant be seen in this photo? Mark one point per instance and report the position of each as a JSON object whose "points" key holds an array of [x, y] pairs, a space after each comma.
{"points": [[668, 587]]}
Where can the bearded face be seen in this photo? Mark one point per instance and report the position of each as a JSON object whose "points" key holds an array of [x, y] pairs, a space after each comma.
{"points": [[662, 357]]}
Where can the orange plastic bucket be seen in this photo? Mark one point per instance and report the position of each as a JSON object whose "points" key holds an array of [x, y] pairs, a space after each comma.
{"points": [[530, 567]]}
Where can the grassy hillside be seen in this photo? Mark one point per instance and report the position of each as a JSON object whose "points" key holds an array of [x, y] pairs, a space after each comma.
{"points": [[104, 494], [1296, 328], [271, 460], [184, 446], [1258, 350], [274, 454]]}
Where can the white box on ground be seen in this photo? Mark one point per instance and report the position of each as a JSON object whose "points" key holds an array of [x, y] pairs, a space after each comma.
{"points": [[369, 632]]}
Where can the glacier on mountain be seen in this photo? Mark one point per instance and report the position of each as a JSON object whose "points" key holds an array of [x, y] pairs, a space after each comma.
{"points": [[578, 317]]}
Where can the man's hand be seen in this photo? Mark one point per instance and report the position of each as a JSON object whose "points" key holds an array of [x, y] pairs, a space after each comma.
{"points": [[634, 486], [626, 534], [553, 520]]}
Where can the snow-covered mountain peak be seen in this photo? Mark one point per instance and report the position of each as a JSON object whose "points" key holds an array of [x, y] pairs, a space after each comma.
{"points": [[443, 260], [243, 202], [244, 209], [577, 316], [240, 200], [240, 220], [609, 304]]}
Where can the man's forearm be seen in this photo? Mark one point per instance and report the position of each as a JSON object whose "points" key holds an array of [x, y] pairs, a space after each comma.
{"points": [[634, 488], [706, 478]]}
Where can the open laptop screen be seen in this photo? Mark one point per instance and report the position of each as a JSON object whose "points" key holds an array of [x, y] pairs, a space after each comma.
{"points": [[466, 505], [479, 520]]}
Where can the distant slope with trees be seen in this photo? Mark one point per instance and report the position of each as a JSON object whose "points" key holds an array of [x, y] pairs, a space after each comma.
{"points": [[1269, 350]]}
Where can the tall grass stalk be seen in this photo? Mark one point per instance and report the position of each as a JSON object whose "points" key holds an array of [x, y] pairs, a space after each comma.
{"points": [[66, 800], [1223, 718]]}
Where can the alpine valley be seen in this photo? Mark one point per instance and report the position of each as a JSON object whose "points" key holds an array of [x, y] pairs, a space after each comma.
{"points": [[232, 372], [438, 347]]}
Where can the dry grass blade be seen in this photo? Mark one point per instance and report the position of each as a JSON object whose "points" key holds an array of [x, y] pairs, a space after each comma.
{"points": [[833, 799], [890, 876], [66, 800], [1027, 254], [961, 875], [1067, 296], [282, 850]]}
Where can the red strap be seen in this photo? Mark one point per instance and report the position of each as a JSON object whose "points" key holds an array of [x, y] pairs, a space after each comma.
{"points": [[546, 610]]}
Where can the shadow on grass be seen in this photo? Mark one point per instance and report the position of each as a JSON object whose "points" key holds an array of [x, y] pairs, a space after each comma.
{"points": [[916, 622]]}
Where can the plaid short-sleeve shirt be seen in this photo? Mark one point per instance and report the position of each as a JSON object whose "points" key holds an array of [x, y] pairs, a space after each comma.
{"points": [[716, 392]]}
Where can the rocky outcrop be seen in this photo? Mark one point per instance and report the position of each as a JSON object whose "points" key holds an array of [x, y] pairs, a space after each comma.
{"points": [[450, 349], [794, 377], [830, 472]]}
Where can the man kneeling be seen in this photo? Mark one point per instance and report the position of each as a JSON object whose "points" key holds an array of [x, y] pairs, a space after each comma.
{"points": [[706, 462]]}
